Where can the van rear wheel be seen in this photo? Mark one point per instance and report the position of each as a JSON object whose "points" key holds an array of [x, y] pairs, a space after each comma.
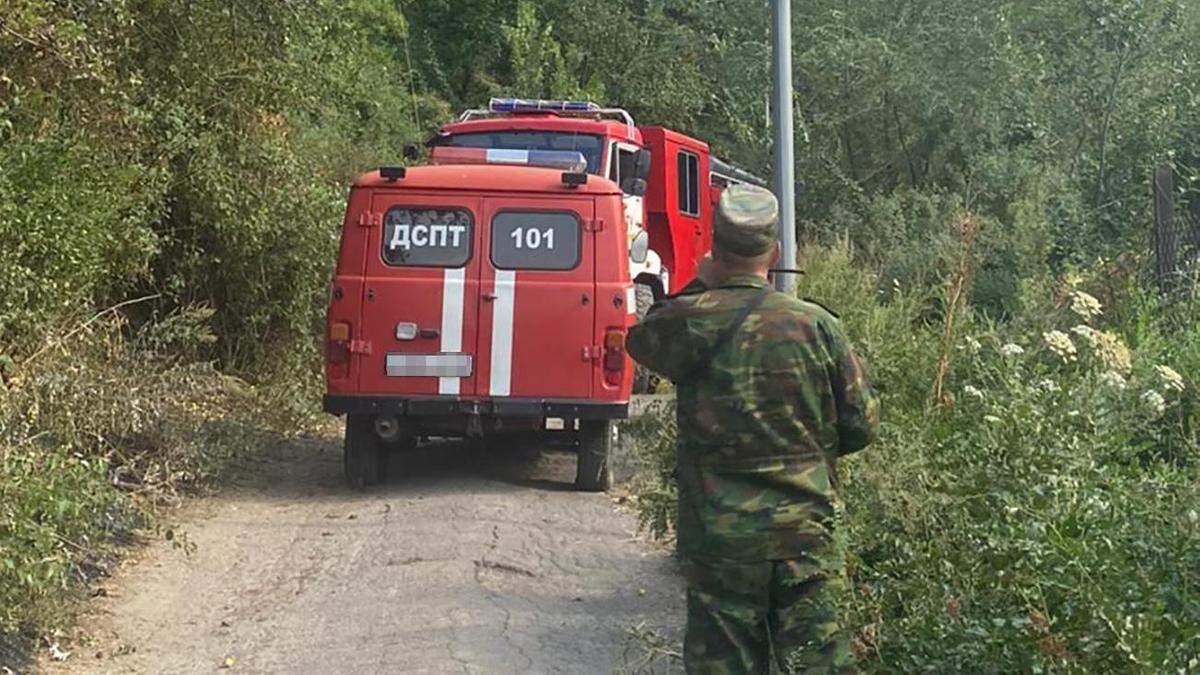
{"points": [[361, 456], [597, 438]]}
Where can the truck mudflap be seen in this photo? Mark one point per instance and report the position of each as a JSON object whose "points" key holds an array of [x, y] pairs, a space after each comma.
{"points": [[449, 406]]}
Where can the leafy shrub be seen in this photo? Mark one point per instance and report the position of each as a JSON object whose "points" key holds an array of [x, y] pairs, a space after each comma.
{"points": [[1044, 521], [94, 433], [653, 462], [59, 512]]}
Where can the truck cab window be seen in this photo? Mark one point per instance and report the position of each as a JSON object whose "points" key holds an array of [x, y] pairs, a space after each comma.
{"points": [[689, 183], [624, 165], [591, 147]]}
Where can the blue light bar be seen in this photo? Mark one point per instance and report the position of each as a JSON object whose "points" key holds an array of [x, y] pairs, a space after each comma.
{"points": [[518, 105]]}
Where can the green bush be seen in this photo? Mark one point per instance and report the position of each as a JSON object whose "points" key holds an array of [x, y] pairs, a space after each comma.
{"points": [[94, 433], [652, 439], [194, 151], [1045, 521], [58, 513]]}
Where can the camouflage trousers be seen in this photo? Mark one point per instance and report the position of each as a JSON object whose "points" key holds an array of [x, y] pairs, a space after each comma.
{"points": [[739, 615]]}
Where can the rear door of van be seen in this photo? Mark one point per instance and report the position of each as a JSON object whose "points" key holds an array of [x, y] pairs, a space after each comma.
{"points": [[537, 309], [421, 294]]}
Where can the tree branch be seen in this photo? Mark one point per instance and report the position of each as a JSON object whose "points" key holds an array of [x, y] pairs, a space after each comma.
{"points": [[1110, 104], [75, 331]]}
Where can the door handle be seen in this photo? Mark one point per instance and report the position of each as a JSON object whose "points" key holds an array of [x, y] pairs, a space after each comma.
{"points": [[488, 297]]}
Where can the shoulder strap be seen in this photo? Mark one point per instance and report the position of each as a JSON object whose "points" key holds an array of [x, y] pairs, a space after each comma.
{"points": [[727, 334]]}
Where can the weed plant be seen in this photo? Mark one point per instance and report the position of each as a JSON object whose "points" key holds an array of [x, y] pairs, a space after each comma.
{"points": [[96, 432]]}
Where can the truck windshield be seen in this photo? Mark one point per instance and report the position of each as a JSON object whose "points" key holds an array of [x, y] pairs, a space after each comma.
{"points": [[590, 146]]}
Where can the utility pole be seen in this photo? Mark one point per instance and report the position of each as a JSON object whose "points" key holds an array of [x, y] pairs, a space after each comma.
{"points": [[784, 178]]}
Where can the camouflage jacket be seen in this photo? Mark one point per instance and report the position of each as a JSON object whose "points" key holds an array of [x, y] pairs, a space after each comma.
{"points": [[761, 426]]}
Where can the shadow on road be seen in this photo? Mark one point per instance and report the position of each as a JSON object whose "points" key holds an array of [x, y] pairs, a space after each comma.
{"points": [[295, 468], [16, 653]]}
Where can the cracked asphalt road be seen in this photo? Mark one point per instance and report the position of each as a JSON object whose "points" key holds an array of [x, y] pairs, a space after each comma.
{"points": [[464, 562]]}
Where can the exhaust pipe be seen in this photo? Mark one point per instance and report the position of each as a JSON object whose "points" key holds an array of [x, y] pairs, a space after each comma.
{"points": [[387, 428]]}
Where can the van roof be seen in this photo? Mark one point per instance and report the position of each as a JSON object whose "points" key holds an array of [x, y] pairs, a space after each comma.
{"points": [[487, 178]]}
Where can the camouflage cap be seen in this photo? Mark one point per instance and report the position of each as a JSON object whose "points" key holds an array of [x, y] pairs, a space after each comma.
{"points": [[745, 221]]}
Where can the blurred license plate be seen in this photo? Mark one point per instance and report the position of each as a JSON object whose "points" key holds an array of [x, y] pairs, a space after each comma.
{"points": [[429, 365]]}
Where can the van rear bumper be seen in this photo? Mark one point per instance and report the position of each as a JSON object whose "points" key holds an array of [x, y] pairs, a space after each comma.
{"points": [[447, 406]]}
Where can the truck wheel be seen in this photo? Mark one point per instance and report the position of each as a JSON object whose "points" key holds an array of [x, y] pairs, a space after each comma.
{"points": [[361, 458], [597, 439], [644, 380]]}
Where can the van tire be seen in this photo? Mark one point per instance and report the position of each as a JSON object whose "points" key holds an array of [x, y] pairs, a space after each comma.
{"points": [[361, 456], [597, 438], [644, 379]]}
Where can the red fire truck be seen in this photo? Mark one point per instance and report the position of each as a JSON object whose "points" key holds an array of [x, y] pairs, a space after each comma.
{"points": [[490, 291]]}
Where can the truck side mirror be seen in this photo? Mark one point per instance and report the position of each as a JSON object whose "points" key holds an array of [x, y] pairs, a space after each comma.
{"points": [[641, 168], [634, 186], [411, 152], [639, 248]]}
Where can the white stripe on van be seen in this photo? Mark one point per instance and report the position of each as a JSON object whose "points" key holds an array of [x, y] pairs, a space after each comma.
{"points": [[453, 290], [502, 333]]}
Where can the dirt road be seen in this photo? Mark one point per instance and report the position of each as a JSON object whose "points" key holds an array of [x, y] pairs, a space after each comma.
{"points": [[462, 563]]}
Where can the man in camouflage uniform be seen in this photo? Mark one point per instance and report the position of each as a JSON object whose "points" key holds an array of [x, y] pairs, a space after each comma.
{"points": [[770, 394]]}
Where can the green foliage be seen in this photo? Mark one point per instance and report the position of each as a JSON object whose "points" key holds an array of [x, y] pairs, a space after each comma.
{"points": [[1045, 521], [94, 433], [652, 442], [195, 150], [200, 151], [58, 512]]}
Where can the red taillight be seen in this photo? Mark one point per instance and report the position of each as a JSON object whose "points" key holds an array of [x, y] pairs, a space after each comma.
{"points": [[614, 357], [339, 343]]}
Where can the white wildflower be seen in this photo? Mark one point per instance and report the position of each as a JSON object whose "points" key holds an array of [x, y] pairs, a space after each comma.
{"points": [[991, 419], [1087, 333], [1049, 386], [973, 391], [1112, 378], [1155, 402], [1112, 352], [1012, 349], [973, 345], [1060, 343], [1085, 305], [1170, 378]]}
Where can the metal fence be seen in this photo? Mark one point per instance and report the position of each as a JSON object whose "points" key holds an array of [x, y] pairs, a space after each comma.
{"points": [[1176, 232]]}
